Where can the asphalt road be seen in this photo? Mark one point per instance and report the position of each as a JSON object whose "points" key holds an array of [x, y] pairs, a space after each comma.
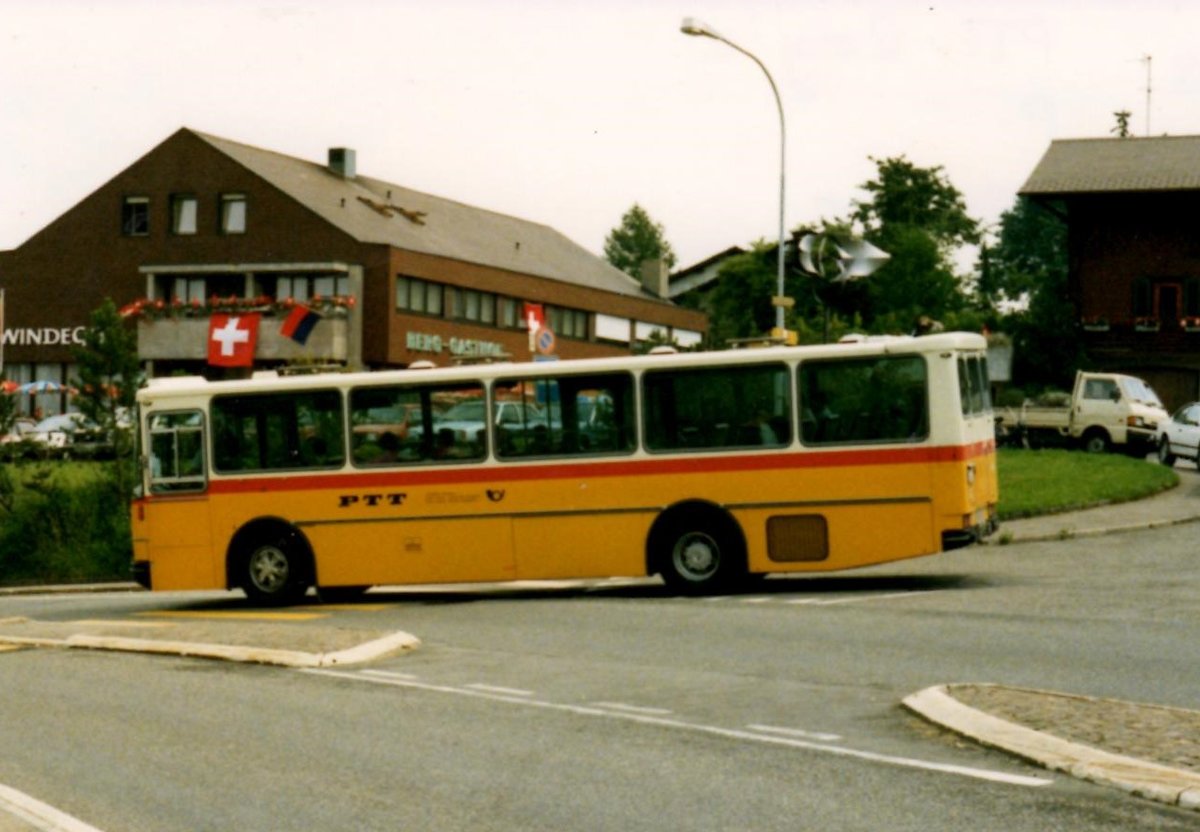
{"points": [[617, 706]]}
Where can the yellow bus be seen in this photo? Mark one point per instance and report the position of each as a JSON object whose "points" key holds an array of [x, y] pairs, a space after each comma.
{"points": [[704, 468]]}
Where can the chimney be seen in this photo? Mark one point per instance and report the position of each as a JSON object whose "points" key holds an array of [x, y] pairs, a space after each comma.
{"points": [[342, 162], [656, 277]]}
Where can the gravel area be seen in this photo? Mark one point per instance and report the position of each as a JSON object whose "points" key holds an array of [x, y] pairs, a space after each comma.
{"points": [[1168, 736]]}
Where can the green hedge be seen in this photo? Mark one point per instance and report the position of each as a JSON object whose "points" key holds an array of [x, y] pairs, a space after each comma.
{"points": [[62, 522]]}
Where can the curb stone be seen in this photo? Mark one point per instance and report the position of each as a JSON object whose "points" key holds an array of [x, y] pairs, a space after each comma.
{"points": [[1160, 783]]}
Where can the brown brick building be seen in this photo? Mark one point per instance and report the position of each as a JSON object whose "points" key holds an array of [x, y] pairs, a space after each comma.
{"points": [[1134, 256], [397, 275]]}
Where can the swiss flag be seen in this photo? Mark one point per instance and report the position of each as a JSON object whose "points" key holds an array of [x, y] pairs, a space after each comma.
{"points": [[231, 340]]}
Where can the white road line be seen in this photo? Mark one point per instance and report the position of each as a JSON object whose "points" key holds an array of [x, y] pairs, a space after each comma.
{"points": [[406, 677], [39, 815], [712, 730], [632, 709], [858, 599], [755, 600], [480, 686], [796, 732]]}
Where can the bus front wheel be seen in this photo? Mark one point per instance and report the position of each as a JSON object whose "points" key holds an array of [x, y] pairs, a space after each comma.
{"points": [[274, 574]]}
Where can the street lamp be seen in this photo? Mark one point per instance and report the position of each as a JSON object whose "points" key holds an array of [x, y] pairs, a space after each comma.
{"points": [[692, 26]]}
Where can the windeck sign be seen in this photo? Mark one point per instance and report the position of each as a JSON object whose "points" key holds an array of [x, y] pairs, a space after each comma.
{"points": [[43, 337]]}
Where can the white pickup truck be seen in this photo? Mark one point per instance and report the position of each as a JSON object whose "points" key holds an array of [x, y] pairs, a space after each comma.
{"points": [[1106, 411]]}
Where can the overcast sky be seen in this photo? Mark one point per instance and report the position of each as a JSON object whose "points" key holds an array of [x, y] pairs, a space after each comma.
{"points": [[566, 113]]}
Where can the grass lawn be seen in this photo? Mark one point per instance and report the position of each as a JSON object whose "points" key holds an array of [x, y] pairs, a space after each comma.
{"points": [[1047, 481]]}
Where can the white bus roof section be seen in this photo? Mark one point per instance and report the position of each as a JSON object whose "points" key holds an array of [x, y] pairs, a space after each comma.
{"points": [[947, 342]]}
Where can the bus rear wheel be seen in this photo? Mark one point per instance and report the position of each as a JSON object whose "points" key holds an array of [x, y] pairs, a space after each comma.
{"points": [[273, 574], [697, 554]]}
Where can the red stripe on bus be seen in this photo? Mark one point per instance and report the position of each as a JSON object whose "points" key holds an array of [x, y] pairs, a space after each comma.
{"points": [[617, 468]]}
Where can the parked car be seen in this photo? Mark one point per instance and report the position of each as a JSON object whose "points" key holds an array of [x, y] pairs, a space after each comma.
{"points": [[70, 434], [1180, 436], [20, 431]]}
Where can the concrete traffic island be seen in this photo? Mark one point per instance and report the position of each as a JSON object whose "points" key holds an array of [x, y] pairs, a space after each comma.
{"points": [[283, 645], [1150, 751]]}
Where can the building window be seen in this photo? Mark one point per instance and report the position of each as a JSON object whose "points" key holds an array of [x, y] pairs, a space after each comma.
{"points": [[189, 289], [233, 213], [509, 315], [135, 216], [183, 214], [569, 323], [416, 295], [301, 288], [611, 328]]}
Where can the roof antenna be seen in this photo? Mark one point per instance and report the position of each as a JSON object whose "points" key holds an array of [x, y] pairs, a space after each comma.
{"points": [[1147, 59]]}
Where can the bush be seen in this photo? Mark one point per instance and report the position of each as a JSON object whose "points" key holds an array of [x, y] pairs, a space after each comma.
{"points": [[62, 522]]}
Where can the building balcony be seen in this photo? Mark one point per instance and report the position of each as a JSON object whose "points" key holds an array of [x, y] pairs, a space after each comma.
{"points": [[186, 339]]}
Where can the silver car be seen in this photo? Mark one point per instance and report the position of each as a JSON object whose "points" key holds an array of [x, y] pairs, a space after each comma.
{"points": [[1180, 437]]}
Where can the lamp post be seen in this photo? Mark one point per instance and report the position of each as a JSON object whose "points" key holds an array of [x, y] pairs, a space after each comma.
{"points": [[692, 26]]}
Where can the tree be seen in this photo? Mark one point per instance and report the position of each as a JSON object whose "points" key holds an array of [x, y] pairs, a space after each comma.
{"points": [[741, 301], [1122, 127], [1029, 263], [918, 217], [109, 375], [912, 213], [637, 239], [904, 195]]}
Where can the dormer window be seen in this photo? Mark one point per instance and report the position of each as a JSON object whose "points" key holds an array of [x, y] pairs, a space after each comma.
{"points": [[183, 214], [233, 213], [135, 216]]}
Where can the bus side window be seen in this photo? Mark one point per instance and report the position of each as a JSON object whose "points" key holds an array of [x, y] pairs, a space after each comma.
{"points": [[743, 406], [279, 431], [570, 415], [864, 400], [410, 424]]}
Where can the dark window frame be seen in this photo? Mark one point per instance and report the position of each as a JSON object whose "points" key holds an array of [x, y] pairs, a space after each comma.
{"points": [[135, 216]]}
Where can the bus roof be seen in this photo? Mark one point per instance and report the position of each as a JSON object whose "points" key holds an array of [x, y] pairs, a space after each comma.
{"points": [[197, 385]]}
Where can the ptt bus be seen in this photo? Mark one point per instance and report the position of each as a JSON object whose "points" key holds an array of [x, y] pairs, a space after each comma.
{"points": [[704, 468]]}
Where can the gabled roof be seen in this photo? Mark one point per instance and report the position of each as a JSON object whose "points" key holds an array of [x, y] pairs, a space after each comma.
{"points": [[699, 275], [1082, 166], [373, 211]]}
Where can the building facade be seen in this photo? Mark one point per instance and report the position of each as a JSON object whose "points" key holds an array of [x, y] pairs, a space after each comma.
{"points": [[203, 226], [1134, 259]]}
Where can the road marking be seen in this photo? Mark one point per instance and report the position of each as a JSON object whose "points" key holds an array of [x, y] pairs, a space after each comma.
{"points": [[388, 674], [712, 730], [858, 599], [633, 709], [480, 686], [114, 622], [796, 732], [40, 816], [224, 615], [351, 607]]}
